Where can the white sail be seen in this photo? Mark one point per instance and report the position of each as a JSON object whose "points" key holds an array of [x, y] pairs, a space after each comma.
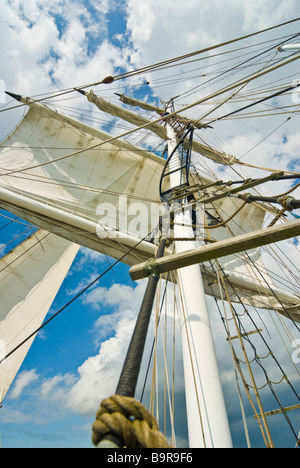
{"points": [[67, 178], [30, 277], [89, 198]]}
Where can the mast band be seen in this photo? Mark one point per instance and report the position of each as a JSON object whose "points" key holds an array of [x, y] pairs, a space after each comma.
{"points": [[151, 268]]}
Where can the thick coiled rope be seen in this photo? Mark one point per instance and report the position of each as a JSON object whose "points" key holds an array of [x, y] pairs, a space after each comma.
{"points": [[128, 420]]}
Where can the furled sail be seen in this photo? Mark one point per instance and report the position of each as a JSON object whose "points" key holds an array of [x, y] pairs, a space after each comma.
{"points": [[144, 105], [124, 114], [103, 193], [135, 119], [30, 277]]}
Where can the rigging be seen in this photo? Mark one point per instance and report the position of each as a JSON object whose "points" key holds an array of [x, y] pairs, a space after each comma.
{"points": [[211, 213]]}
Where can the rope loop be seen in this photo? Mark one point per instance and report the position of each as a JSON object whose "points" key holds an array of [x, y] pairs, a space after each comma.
{"points": [[285, 202], [128, 420], [151, 268]]}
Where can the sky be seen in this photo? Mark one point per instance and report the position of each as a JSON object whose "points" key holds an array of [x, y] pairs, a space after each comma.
{"points": [[75, 361]]}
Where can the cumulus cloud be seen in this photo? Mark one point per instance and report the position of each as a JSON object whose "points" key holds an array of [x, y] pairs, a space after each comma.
{"points": [[23, 380], [177, 29], [161, 30], [49, 46], [98, 376], [116, 295], [63, 43]]}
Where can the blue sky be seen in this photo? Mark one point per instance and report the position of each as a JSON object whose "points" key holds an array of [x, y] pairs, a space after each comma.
{"points": [[67, 43]]}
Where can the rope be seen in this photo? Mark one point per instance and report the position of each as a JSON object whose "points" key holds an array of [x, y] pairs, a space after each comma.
{"points": [[284, 200], [223, 223], [234, 359], [278, 93], [277, 217], [128, 420], [264, 426]]}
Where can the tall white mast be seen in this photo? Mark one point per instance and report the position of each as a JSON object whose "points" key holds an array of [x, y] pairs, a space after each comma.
{"points": [[206, 412]]}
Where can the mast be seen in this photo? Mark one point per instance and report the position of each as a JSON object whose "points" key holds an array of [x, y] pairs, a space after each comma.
{"points": [[206, 412]]}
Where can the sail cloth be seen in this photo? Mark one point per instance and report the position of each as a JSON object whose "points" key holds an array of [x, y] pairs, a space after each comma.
{"points": [[30, 277], [102, 193], [97, 197], [131, 117], [135, 119]]}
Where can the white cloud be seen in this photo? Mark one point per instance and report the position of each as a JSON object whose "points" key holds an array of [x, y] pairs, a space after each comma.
{"points": [[26, 36], [56, 388], [116, 295], [84, 283], [48, 46], [23, 380], [98, 376], [62, 44], [161, 30], [260, 14], [90, 259]]}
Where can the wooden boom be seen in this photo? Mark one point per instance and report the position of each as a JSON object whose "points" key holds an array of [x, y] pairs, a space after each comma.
{"points": [[219, 249]]}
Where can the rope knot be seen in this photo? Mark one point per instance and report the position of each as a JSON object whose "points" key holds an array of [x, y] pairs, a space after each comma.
{"points": [[286, 202], [128, 420]]}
